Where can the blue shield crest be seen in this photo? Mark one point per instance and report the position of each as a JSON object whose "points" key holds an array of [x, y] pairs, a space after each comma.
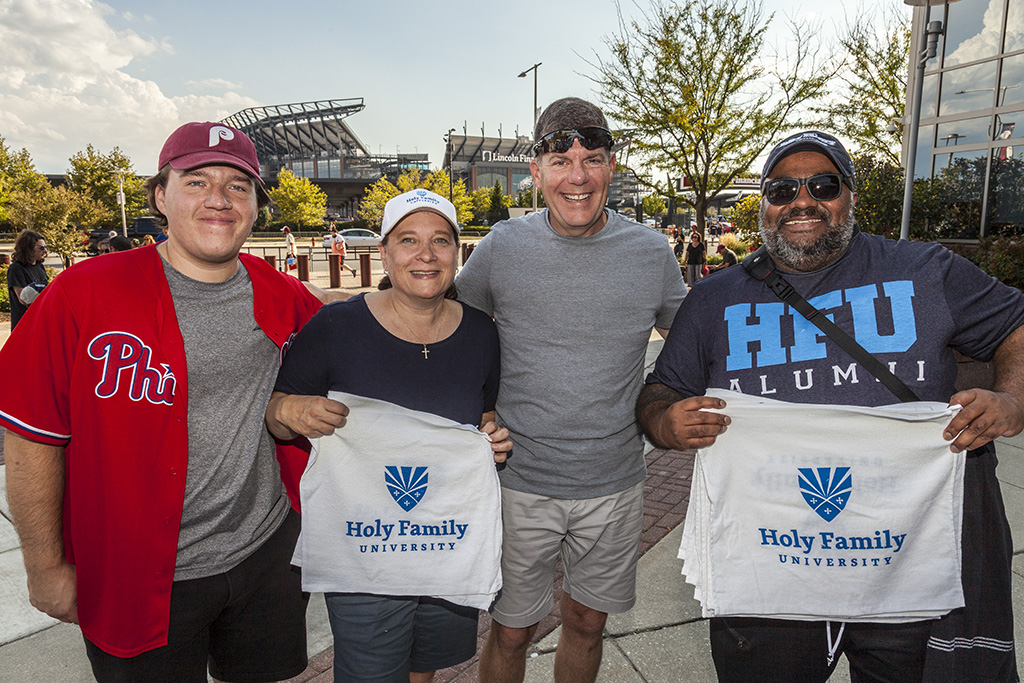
{"points": [[825, 490], [407, 485]]}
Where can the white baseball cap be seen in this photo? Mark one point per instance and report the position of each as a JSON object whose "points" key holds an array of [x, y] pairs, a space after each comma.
{"points": [[419, 199]]}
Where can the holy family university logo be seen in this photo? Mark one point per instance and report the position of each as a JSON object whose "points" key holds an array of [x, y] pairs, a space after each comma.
{"points": [[825, 490], [407, 485]]}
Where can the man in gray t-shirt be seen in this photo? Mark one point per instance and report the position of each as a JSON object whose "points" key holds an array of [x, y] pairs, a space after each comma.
{"points": [[575, 291]]}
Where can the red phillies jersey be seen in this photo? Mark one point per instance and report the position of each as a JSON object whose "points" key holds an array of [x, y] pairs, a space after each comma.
{"points": [[100, 368]]}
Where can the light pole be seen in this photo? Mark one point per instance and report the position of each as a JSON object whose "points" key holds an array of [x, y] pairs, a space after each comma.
{"points": [[120, 200], [523, 75], [932, 31], [451, 166]]}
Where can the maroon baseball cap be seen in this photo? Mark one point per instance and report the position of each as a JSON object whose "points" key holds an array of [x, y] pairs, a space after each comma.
{"points": [[202, 144]]}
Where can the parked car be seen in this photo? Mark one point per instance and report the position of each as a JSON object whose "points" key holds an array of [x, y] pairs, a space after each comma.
{"points": [[98, 241], [357, 237]]}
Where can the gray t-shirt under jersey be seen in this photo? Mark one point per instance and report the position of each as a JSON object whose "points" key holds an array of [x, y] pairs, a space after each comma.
{"points": [[234, 498], [574, 317]]}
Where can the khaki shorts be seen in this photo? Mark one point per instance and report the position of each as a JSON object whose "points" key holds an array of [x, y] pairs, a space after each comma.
{"points": [[598, 539]]}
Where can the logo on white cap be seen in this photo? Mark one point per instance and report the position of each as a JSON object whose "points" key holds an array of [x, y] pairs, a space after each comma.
{"points": [[218, 133]]}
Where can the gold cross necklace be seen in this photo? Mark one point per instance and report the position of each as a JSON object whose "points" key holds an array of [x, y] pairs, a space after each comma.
{"points": [[408, 329]]}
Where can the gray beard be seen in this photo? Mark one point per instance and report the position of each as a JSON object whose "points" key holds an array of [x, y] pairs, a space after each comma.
{"points": [[827, 249]]}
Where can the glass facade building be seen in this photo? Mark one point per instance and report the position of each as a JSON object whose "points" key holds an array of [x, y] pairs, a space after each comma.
{"points": [[971, 137]]}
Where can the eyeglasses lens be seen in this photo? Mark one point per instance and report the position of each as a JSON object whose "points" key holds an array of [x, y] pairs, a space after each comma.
{"points": [[822, 188]]}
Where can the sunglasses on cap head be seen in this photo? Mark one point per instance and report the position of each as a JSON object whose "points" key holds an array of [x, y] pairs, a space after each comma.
{"points": [[591, 137], [822, 188]]}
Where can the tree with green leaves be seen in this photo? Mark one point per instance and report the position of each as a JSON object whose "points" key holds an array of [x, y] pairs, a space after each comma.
{"points": [[524, 199], [95, 175], [879, 207], [745, 217], [499, 203], [56, 212], [371, 208], [653, 205], [693, 84], [17, 172], [299, 201], [874, 76]]}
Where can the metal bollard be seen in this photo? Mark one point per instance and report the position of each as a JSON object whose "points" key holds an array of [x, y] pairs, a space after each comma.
{"points": [[364, 270], [334, 265], [271, 259], [303, 267]]}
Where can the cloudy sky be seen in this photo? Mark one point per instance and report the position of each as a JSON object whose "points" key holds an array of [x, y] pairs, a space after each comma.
{"points": [[126, 73]]}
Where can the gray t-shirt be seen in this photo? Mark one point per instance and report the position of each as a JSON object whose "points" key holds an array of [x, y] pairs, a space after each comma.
{"points": [[574, 317], [234, 498]]}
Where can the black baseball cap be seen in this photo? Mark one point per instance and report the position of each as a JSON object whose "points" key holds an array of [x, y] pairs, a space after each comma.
{"points": [[812, 141]]}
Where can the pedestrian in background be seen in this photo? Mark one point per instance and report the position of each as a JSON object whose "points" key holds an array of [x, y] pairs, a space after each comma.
{"points": [[338, 248], [26, 275], [696, 258]]}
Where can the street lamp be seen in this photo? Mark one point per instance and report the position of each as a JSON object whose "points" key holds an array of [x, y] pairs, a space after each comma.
{"points": [[932, 31], [451, 166], [523, 75], [120, 200]]}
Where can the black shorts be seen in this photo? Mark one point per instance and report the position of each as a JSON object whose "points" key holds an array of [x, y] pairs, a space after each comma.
{"points": [[381, 639], [248, 624]]}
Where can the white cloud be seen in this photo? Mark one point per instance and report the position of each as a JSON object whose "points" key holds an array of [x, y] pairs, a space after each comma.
{"points": [[982, 44], [63, 86], [214, 84]]}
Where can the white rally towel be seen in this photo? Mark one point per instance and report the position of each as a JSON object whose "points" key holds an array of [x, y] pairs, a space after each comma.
{"points": [[401, 502], [823, 512]]}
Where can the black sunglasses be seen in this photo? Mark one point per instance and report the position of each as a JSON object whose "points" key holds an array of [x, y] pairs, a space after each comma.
{"points": [[822, 188], [591, 137]]}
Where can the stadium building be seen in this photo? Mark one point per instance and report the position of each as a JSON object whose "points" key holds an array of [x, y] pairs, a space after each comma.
{"points": [[313, 140]]}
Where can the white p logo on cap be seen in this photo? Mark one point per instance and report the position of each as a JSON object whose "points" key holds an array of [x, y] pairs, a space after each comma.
{"points": [[218, 133]]}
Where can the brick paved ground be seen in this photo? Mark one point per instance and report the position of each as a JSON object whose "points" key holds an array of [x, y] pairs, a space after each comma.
{"points": [[666, 493]]}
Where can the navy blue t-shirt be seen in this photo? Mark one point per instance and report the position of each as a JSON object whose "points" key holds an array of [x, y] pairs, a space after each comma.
{"points": [[344, 348], [908, 303]]}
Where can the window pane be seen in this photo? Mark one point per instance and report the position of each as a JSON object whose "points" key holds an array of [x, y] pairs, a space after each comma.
{"points": [[1010, 90], [928, 92], [973, 30], [518, 181], [968, 89], [1006, 192], [1014, 27], [923, 158], [488, 178], [961, 180], [963, 132]]}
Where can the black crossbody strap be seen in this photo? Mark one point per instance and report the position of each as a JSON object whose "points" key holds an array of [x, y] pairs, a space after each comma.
{"points": [[761, 267]]}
